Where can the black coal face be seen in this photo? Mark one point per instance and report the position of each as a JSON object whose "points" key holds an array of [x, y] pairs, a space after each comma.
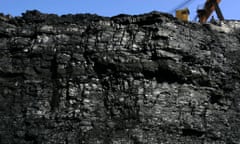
{"points": [[127, 79]]}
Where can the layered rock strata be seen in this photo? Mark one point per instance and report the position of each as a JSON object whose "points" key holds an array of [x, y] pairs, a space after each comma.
{"points": [[144, 79]]}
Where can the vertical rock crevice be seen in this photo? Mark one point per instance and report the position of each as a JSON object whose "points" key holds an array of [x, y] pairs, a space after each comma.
{"points": [[55, 99]]}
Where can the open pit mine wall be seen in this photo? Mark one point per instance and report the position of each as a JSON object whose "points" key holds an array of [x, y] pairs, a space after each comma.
{"points": [[144, 79]]}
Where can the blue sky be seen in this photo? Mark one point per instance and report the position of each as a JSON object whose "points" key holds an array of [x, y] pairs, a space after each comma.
{"points": [[230, 8]]}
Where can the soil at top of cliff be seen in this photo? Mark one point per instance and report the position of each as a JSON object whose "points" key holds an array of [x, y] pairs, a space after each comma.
{"points": [[35, 17]]}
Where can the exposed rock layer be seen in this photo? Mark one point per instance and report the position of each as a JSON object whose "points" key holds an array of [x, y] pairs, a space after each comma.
{"points": [[144, 79]]}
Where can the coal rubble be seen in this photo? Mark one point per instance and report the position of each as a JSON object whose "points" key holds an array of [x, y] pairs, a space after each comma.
{"points": [[142, 79]]}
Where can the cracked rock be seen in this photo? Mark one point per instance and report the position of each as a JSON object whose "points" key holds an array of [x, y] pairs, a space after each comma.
{"points": [[145, 79]]}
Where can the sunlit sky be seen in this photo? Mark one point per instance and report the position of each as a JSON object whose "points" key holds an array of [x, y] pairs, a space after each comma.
{"points": [[230, 8]]}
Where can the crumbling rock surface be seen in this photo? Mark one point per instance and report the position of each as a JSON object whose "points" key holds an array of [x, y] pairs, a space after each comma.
{"points": [[145, 79]]}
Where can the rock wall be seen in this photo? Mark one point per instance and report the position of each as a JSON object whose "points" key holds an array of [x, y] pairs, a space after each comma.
{"points": [[146, 79]]}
